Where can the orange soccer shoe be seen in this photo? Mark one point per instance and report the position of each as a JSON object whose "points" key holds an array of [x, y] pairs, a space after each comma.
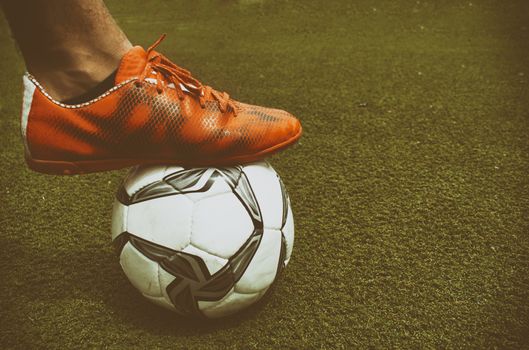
{"points": [[156, 113]]}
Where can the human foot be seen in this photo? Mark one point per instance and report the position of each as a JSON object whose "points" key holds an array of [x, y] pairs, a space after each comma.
{"points": [[156, 113]]}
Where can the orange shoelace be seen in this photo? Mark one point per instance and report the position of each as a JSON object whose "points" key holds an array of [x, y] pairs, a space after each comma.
{"points": [[167, 72]]}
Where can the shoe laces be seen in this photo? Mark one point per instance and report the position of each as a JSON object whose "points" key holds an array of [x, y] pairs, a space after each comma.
{"points": [[166, 72]]}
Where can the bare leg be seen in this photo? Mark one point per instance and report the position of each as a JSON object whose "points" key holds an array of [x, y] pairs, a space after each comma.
{"points": [[69, 46]]}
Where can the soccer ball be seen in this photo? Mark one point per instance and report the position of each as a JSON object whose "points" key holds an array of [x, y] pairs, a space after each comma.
{"points": [[203, 241]]}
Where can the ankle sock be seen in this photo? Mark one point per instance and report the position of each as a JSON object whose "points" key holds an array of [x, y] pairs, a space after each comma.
{"points": [[94, 92]]}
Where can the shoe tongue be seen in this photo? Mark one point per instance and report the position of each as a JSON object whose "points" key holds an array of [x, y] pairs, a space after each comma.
{"points": [[132, 64]]}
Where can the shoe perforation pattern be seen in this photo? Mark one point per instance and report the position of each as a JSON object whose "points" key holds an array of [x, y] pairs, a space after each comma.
{"points": [[137, 122]]}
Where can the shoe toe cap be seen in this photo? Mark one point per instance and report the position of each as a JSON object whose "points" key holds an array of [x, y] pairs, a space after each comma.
{"points": [[285, 130], [266, 129], [295, 128], [288, 127]]}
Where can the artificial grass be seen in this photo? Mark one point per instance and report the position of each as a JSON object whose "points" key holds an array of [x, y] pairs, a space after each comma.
{"points": [[410, 186]]}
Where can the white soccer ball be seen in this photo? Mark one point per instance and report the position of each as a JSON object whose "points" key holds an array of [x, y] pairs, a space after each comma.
{"points": [[203, 241]]}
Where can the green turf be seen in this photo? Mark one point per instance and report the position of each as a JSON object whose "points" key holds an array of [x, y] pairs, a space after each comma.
{"points": [[410, 186]]}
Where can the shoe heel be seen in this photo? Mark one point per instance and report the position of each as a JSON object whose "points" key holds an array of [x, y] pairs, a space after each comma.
{"points": [[53, 167]]}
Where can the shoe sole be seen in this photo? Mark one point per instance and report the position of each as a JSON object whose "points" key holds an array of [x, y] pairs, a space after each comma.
{"points": [[57, 167]]}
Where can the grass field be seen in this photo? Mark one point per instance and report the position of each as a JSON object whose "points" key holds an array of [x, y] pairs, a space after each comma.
{"points": [[410, 186]]}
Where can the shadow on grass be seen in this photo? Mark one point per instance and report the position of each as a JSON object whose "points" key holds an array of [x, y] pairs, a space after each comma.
{"points": [[159, 321]]}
